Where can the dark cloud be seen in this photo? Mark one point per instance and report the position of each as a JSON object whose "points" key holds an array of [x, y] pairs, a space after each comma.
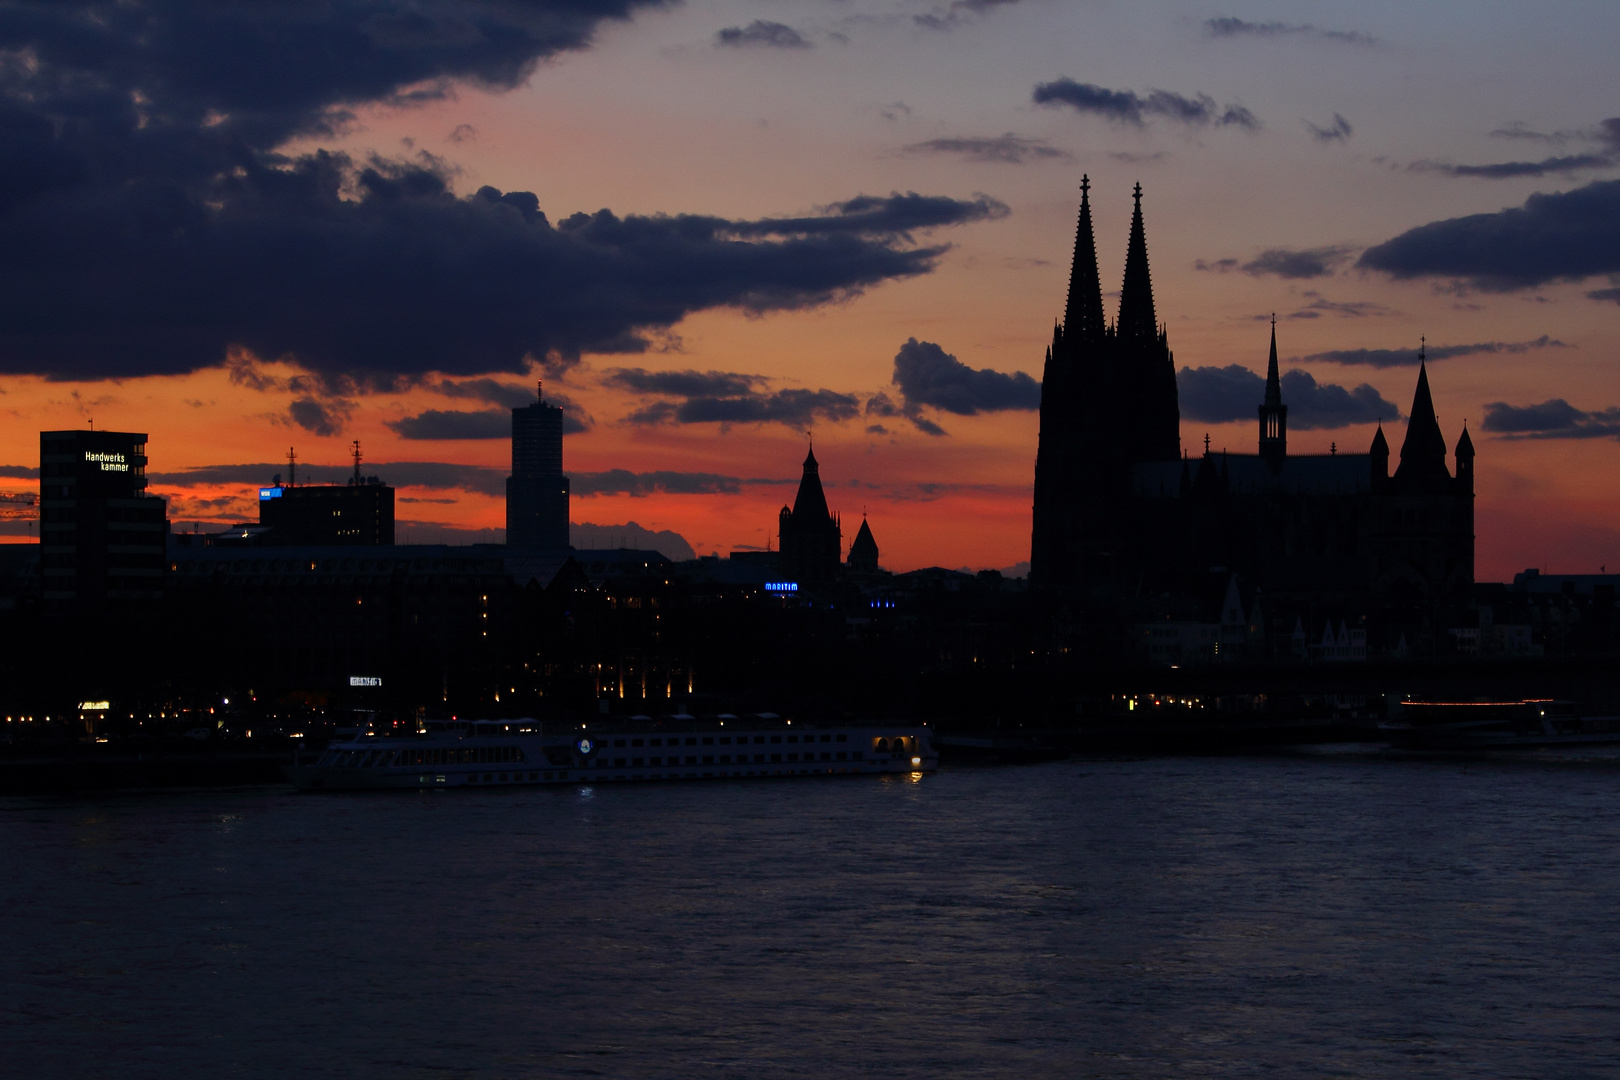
{"points": [[625, 482], [893, 215], [510, 395], [949, 18], [1603, 138], [794, 407], [1507, 170], [929, 377], [684, 383], [141, 139], [763, 34], [1605, 294], [1555, 419], [1230, 27], [1288, 263], [1338, 131], [1408, 357], [1316, 406], [1565, 235], [1008, 149], [723, 397], [1350, 309], [1221, 395], [318, 417], [490, 391], [437, 424], [18, 472], [1128, 107]]}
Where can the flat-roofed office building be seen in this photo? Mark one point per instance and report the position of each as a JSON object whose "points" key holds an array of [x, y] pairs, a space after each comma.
{"points": [[102, 538]]}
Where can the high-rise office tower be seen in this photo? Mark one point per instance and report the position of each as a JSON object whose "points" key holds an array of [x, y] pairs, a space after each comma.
{"points": [[537, 490], [102, 538]]}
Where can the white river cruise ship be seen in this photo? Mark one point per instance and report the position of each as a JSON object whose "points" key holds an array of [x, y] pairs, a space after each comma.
{"points": [[492, 753]]}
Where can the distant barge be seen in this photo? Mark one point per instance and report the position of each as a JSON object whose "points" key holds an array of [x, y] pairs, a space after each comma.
{"points": [[492, 753], [1497, 725]]}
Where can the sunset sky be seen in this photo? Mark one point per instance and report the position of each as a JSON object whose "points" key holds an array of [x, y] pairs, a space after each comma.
{"points": [[713, 227]]}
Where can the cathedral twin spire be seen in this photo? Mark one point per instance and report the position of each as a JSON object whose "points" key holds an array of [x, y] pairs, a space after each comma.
{"points": [[1083, 316]]}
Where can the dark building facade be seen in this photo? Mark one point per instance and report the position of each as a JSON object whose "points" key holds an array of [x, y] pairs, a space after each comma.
{"points": [[1121, 514], [102, 538], [810, 536], [359, 513], [537, 490]]}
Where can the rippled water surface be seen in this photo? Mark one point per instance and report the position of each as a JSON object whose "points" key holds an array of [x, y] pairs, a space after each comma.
{"points": [[1337, 914]]}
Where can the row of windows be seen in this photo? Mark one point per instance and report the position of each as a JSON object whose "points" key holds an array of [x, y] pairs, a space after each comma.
{"points": [[376, 759], [724, 759], [724, 740]]}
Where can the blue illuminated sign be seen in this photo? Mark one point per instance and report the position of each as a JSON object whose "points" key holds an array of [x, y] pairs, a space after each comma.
{"points": [[269, 493], [781, 586]]}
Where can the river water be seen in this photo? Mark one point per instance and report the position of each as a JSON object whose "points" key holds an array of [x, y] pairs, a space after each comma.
{"points": [[1336, 913]]}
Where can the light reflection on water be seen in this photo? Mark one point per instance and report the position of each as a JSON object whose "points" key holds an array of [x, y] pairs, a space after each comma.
{"points": [[1336, 913]]}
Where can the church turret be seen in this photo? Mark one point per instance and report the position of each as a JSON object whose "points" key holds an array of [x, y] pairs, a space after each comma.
{"points": [[1273, 413], [1423, 453], [1379, 453]]}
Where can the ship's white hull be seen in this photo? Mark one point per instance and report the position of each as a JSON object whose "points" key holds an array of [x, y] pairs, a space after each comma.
{"points": [[448, 761]]}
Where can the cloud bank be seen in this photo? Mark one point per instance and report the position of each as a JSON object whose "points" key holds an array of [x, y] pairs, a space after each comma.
{"points": [[120, 150], [1008, 149], [1129, 107], [1408, 357], [1562, 236], [761, 34], [1554, 419], [1219, 395], [709, 397]]}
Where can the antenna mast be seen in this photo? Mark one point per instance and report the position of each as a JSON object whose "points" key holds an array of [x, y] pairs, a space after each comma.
{"points": [[292, 468], [356, 480]]}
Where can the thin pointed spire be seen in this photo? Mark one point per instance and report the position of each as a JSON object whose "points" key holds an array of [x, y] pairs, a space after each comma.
{"points": [[1084, 315], [1273, 382], [1137, 320]]}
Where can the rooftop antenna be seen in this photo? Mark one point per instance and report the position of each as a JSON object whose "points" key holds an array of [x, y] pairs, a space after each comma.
{"points": [[92, 422], [292, 468], [540, 390], [356, 480]]}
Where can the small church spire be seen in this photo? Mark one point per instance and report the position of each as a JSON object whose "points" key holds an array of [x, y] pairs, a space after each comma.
{"points": [[1273, 413], [1137, 320], [1273, 382], [1084, 316]]}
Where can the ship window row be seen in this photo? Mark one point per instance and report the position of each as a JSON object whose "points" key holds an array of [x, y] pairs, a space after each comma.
{"points": [[726, 759], [725, 740], [480, 755]]}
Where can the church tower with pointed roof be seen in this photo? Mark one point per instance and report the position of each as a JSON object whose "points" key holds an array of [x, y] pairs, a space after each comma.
{"points": [[810, 538], [863, 553]]}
